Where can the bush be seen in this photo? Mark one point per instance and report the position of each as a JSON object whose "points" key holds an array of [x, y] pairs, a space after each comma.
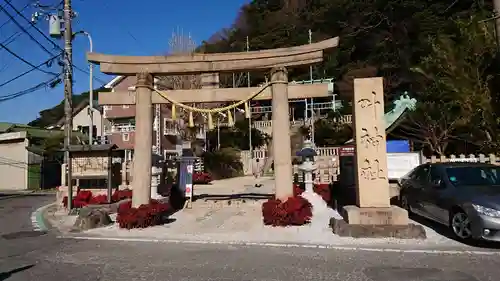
{"points": [[85, 197], [298, 189], [144, 216], [296, 210], [202, 178], [120, 195], [224, 163], [324, 191]]}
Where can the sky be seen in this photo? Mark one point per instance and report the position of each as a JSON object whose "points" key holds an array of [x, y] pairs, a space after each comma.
{"points": [[116, 27]]}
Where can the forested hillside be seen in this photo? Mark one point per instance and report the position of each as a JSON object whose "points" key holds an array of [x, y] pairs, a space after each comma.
{"points": [[442, 52]]}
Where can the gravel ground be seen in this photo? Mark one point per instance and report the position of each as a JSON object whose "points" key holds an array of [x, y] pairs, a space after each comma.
{"points": [[243, 223]]}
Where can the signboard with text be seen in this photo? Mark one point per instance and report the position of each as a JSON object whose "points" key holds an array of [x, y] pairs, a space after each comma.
{"points": [[399, 164]]}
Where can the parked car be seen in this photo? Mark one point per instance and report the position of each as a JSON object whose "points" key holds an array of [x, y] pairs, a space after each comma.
{"points": [[463, 196]]}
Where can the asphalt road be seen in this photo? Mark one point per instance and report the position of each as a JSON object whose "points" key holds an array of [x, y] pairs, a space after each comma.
{"points": [[27, 256]]}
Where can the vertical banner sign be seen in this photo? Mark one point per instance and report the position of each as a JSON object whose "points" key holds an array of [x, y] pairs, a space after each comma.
{"points": [[189, 180]]}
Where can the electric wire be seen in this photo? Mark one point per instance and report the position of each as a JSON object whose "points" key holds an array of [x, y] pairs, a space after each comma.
{"points": [[22, 9], [53, 43], [24, 29], [25, 61], [33, 25], [48, 83], [47, 62]]}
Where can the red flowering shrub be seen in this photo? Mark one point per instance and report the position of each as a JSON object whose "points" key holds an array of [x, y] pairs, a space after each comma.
{"points": [[125, 206], [201, 178], [145, 216], [324, 191], [295, 210], [297, 190], [85, 197], [98, 200], [120, 195]]}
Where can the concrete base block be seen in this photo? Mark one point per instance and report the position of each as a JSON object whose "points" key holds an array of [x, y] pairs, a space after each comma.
{"points": [[392, 215], [409, 231]]}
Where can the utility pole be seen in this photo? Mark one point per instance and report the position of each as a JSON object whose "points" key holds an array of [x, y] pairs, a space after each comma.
{"points": [[68, 94]]}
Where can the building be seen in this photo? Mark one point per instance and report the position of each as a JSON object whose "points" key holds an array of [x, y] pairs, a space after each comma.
{"points": [[81, 120], [20, 168], [120, 125]]}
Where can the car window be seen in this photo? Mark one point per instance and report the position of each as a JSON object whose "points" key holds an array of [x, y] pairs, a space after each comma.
{"points": [[474, 175], [435, 175], [422, 174]]}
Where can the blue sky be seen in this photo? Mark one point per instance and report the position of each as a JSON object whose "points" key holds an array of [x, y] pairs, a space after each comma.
{"points": [[117, 27]]}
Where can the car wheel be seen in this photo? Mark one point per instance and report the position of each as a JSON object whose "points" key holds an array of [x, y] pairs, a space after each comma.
{"points": [[460, 225]]}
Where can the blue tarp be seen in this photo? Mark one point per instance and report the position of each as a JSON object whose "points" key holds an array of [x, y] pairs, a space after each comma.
{"points": [[398, 146]]}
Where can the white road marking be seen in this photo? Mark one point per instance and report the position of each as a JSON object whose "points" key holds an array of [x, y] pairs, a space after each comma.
{"points": [[333, 247]]}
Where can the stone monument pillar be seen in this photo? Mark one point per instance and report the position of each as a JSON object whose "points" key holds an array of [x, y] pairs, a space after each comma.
{"points": [[373, 216], [281, 135], [141, 179]]}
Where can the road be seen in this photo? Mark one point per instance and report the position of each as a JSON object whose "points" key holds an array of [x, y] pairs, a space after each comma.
{"points": [[43, 257]]}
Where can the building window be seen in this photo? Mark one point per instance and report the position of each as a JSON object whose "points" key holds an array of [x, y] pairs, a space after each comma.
{"points": [[125, 137]]}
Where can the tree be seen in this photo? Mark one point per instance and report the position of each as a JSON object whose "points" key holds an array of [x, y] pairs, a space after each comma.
{"points": [[236, 137], [455, 101], [180, 44], [52, 115]]}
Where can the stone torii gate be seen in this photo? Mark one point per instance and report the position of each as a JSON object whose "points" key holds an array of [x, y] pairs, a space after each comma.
{"points": [[144, 67]]}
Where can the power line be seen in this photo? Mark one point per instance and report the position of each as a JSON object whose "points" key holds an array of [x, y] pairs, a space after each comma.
{"points": [[22, 9], [86, 72], [25, 61], [47, 62], [24, 29], [33, 25], [48, 83]]}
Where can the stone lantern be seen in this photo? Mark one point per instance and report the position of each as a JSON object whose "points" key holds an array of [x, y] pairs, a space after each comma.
{"points": [[307, 167]]}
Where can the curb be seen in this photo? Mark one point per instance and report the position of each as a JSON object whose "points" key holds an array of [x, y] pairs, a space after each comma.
{"points": [[38, 220], [289, 245], [16, 195]]}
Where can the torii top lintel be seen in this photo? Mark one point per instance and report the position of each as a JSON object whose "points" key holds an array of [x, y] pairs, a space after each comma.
{"points": [[206, 63]]}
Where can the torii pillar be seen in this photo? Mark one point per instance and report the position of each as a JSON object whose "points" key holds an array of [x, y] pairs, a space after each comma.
{"points": [[282, 149], [143, 144]]}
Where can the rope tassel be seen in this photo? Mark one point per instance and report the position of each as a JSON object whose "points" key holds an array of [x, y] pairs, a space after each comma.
{"points": [[191, 120], [210, 122], [248, 114], [230, 119], [174, 114]]}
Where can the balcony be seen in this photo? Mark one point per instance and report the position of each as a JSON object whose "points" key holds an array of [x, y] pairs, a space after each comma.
{"points": [[170, 128], [119, 128]]}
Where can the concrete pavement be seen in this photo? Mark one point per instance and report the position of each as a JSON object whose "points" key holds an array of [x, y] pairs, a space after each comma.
{"points": [[25, 255], [98, 260]]}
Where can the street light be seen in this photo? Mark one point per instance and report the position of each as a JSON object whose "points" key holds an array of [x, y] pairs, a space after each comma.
{"points": [[91, 89]]}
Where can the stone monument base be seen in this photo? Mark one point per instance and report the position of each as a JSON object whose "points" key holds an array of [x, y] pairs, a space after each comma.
{"points": [[376, 223]]}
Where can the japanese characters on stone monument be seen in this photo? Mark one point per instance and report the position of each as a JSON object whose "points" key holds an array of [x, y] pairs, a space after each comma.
{"points": [[371, 157]]}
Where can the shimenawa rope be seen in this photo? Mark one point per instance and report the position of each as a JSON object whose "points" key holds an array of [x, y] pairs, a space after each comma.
{"points": [[211, 111]]}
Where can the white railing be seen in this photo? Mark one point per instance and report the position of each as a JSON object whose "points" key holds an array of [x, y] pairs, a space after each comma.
{"points": [[171, 128], [119, 128]]}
